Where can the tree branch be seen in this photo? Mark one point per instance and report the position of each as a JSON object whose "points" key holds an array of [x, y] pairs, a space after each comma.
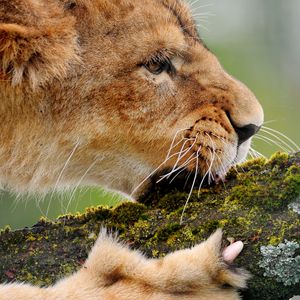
{"points": [[257, 204]]}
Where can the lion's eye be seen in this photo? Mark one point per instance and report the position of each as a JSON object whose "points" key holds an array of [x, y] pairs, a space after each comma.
{"points": [[158, 67]]}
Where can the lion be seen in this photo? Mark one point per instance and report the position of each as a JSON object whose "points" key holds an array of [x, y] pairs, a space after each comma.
{"points": [[109, 92]]}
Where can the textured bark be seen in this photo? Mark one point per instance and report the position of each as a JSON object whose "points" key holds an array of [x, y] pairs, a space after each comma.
{"points": [[257, 204]]}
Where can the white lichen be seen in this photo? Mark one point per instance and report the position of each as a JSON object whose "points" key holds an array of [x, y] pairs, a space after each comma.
{"points": [[281, 263], [295, 206]]}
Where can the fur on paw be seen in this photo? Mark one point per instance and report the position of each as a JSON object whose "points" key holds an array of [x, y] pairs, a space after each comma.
{"points": [[196, 270], [223, 272]]}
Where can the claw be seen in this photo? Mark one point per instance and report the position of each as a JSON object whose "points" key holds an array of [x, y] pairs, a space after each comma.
{"points": [[232, 251]]}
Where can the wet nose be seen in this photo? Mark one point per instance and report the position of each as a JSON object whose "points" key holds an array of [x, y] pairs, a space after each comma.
{"points": [[246, 132]]}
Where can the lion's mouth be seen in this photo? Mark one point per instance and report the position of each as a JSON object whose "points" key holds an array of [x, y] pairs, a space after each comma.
{"points": [[206, 153]]}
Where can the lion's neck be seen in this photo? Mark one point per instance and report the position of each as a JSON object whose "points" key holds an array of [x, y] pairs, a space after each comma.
{"points": [[39, 153], [38, 161]]}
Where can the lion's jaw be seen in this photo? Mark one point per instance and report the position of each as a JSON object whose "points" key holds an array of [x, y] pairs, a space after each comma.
{"points": [[99, 114]]}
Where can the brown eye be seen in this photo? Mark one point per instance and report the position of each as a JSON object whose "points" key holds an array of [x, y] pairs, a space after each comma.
{"points": [[157, 67]]}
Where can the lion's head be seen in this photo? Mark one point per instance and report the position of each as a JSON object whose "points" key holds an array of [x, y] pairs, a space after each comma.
{"points": [[104, 92]]}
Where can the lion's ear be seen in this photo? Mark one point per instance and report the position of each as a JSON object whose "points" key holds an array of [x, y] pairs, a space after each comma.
{"points": [[36, 49]]}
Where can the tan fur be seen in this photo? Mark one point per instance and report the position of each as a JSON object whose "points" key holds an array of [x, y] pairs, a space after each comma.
{"points": [[72, 84], [79, 107], [112, 271]]}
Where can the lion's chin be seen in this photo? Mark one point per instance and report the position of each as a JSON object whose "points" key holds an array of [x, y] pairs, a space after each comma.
{"points": [[211, 170], [242, 152], [241, 156]]}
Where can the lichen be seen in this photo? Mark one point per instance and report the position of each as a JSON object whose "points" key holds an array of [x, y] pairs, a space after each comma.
{"points": [[281, 262], [295, 206]]}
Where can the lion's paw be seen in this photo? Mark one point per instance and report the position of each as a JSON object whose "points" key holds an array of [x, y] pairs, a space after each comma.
{"points": [[199, 270], [218, 262], [202, 272]]}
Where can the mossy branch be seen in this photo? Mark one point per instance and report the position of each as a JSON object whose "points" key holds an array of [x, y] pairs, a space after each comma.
{"points": [[258, 205]]}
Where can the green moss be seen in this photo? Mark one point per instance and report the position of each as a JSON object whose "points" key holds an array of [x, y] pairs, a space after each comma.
{"points": [[252, 207], [164, 233], [6, 229], [278, 158], [173, 201], [274, 240], [292, 181], [274, 187], [97, 214], [128, 212]]}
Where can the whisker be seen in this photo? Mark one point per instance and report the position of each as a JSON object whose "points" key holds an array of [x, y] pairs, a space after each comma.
{"points": [[60, 175], [178, 173], [283, 135], [253, 153], [170, 150], [152, 173], [268, 122], [182, 154], [38, 202], [204, 27], [199, 6], [258, 154], [202, 181], [192, 187], [278, 138], [187, 179], [210, 176], [222, 163], [250, 153], [191, 4], [78, 184], [213, 154], [204, 20], [189, 159], [278, 144], [206, 14], [199, 25], [173, 141], [230, 162]]}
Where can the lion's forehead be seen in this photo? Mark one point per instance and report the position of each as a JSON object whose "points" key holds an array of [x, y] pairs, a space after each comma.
{"points": [[143, 13], [138, 28], [149, 25]]}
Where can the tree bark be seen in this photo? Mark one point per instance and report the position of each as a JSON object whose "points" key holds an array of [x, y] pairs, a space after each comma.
{"points": [[258, 204]]}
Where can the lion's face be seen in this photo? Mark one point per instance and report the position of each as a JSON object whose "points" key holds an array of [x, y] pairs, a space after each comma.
{"points": [[135, 90]]}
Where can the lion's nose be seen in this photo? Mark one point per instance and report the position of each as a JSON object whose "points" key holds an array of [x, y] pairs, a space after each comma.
{"points": [[246, 132]]}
